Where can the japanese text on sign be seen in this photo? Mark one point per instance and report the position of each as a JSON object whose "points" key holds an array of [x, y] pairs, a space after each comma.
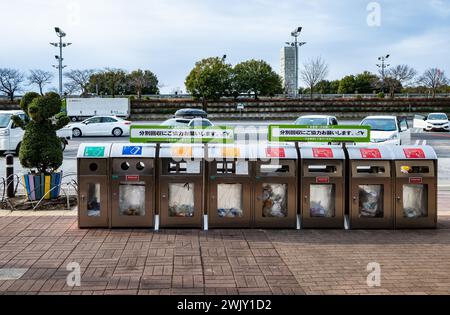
{"points": [[146, 133], [319, 133]]}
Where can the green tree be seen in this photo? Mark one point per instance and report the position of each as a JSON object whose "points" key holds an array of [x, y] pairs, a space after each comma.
{"points": [[209, 80], [365, 83], [256, 77], [142, 82], [41, 147], [327, 87], [347, 85]]}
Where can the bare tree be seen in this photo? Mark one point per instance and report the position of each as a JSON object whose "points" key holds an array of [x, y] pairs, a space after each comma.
{"points": [[10, 81], [80, 78], [71, 88], [40, 78], [315, 71], [402, 73], [433, 79]]}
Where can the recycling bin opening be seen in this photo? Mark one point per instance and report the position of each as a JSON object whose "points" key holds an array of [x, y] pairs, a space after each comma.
{"points": [[416, 187], [322, 186], [133, 185], [181, 185], [371, 192], [229, 189], [276, 186], [93, 185]]}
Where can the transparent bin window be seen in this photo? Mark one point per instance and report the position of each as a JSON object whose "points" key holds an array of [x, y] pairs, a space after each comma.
{"points": [[93, 200], [274, 201], [132, 199], [371, 201], [181, 199], [415, 201], [322, 201], [229, 201]]}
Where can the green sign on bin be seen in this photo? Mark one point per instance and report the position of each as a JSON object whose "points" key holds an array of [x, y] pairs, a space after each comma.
{"points": [[152, 134], [296, 133], [94, 151]]}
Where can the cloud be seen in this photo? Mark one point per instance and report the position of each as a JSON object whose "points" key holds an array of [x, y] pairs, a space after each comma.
{"points": [[169, 36]]}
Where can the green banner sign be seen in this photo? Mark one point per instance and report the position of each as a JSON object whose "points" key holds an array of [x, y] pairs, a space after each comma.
{"points": [[296, 133], [161, 134], [94, 151]]}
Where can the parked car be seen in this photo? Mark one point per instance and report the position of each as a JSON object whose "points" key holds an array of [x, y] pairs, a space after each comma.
{"points": [[317, 120], [11, 135], [433, 122], [388, 129], [187, 122], [100, 126]]}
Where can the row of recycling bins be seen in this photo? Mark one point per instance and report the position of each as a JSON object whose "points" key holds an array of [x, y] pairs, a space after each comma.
{"points": [[256, 186]]}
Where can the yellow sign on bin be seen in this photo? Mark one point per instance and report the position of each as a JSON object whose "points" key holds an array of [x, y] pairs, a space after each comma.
{"points": [[231, 152], [182, 151]]}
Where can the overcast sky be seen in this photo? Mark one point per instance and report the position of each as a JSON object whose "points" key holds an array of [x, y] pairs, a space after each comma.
{"points": [[169, 36]]}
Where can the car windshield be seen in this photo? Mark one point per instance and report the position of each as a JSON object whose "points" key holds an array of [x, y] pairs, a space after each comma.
{"points": [[4, 120], [306, 121], [200, 123], [437, 117], [380, 124], [176, 122]]}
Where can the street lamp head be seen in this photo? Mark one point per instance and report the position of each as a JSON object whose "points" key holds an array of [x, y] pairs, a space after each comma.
{"points": [[56, 57], [387, 56], [59, 32]]}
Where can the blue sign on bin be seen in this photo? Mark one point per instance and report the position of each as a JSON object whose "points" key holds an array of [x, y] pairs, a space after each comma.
{"points": [[132, 150]]}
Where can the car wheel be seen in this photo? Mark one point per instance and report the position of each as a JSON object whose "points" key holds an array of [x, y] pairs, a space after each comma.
{"points": [[76, 132], [74, 118], [117, 132]]}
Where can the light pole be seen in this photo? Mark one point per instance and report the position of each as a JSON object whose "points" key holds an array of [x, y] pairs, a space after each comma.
{"points": [[383, 67], [296, 33], [60, 33]]}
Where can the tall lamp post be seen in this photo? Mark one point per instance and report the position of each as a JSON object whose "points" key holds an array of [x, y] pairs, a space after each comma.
{"points": [[60, 33], [383, 67], [296, 33]]}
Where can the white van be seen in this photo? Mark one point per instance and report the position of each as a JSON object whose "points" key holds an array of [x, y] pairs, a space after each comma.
{"points": [[11, 135]]}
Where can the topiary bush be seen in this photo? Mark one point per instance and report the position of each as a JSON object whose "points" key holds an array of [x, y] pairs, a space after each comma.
{"points": [[41, 149]]}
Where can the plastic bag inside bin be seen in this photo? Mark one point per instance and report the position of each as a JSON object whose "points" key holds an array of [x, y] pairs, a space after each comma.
{"points": [[93, 200], [132, 199], [322, 201], [371, 201], [415, 201], [229, 201], [181, 199], [274, 200]]}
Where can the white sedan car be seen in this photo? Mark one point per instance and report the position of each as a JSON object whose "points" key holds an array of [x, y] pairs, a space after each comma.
{"points": [[100, 126]]}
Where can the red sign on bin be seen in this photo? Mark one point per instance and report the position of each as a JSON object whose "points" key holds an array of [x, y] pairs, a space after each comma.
{"points": [[414, 153], [132, 178], [416, 180], [322, 153], [370, 153], [322, 180], [275, 152]]}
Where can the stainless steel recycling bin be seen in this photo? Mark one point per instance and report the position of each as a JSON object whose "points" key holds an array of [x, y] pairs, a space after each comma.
{"points": [[230, 186], [415, 187], [181, 171], [371, 187], [276, 186], [322, 186], [93, 185], [132, 185]]}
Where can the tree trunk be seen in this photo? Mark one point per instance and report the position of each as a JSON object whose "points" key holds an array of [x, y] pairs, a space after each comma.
{"points": [[311, 91], [204, 104], [11, 96], [40, 89], [139, 94]]}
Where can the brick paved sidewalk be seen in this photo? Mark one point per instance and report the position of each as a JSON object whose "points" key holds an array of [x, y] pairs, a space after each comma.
{"points": [[220, 261]]}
